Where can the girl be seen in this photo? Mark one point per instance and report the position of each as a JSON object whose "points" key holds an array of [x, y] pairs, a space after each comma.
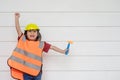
{"points": [[26, 60]]}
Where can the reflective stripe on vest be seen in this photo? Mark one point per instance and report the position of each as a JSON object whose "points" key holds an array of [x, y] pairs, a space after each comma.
{"points": [[25, 61], [28, 54]]}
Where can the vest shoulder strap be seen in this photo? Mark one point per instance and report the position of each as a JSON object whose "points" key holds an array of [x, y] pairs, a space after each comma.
{"points": [[41, 45]]}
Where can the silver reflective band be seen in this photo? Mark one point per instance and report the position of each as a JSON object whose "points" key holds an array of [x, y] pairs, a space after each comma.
{"points": [[28, 54], [25, 63], [24, 38], [41, 44]]}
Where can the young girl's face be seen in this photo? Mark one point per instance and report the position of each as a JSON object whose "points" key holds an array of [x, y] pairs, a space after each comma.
{"points": [[32, 34]]}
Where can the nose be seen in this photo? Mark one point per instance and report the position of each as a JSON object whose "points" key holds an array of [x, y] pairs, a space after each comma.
{"points": [[32, 32]]}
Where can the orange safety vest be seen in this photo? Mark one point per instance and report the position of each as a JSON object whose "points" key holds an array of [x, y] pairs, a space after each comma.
{"points": [[26, 58]]}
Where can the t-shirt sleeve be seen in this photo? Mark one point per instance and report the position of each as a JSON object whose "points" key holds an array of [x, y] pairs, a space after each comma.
{"points": [[20, 36], [46, 47]]}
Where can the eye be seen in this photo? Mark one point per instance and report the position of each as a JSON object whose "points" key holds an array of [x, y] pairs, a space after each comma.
{"points": [[30, 31], [34, 31]]}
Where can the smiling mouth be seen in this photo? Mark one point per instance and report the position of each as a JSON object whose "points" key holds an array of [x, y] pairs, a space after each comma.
{"points": [[32, 36]]}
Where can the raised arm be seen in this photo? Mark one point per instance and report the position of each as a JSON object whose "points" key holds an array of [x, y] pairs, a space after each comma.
{"points": [[17, 25]]}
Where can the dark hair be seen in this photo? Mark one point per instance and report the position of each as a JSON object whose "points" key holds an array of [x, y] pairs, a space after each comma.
{"points": [[38, 38]]}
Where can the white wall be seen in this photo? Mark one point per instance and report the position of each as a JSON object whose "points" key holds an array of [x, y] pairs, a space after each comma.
{"points": [[93, 25]]}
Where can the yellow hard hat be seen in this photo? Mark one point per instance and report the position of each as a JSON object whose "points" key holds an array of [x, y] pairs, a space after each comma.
{"points": [[31, 26]]}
